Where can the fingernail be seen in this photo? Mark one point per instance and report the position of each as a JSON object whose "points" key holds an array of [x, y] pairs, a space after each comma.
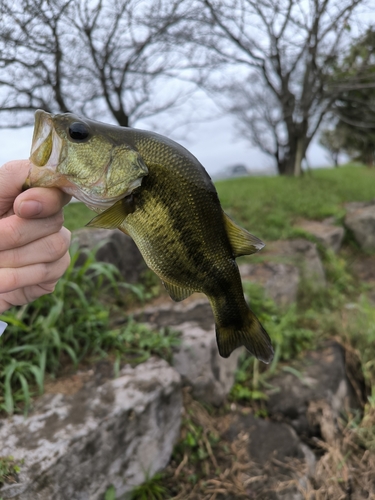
{"points": [[29, 208]]}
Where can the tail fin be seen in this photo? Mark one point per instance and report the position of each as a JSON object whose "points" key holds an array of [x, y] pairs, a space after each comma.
{"points": [[252, 335]]}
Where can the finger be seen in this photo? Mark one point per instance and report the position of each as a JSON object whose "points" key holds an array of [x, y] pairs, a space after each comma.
{"points": [[16, 232], [14, 279], [28, 294], [40, 202], [47, 249], [12, 177], [24, 295]]}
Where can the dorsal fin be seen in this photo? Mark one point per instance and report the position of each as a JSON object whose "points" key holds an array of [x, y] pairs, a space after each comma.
{"points": [[242, 242]]}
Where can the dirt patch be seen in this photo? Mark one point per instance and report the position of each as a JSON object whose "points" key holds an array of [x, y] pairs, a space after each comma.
{"points": [[67, 385]]}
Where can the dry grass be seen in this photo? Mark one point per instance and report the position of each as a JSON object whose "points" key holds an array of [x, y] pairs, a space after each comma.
{"points": [[344, 469]]}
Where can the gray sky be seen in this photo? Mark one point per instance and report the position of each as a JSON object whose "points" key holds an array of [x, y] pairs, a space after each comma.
{"points": [[214, 143]]}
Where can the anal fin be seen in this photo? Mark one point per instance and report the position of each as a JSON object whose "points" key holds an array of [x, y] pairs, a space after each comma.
{"points": [[176, 293]]}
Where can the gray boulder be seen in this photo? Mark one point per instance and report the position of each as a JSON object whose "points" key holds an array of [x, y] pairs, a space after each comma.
{"points": [[277, 456], [279, 280], [364, 270], [352, 206], [74, 447], [327, 234], [301, 253], [361, 222], [284, 264], [197, 360], [115, 247], [318, 383], [200, 365]]}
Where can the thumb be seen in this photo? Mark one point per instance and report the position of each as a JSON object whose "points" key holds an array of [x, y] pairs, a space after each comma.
{"points": [[12, 176]]}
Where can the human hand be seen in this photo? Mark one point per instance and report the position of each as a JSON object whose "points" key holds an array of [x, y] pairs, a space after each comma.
{"points": [[33, 242]]}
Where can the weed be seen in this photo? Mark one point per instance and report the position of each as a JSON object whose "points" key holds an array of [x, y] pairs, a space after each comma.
{"points": [[360, 321], [9, 468], [151, 489], [136, 343], [285, 326], [110, 494], [72, 324]]}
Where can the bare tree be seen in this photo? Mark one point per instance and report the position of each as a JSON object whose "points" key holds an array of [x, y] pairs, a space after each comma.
{"points": [[333, 141], [107, 59], [275, 55], [353, 113]]}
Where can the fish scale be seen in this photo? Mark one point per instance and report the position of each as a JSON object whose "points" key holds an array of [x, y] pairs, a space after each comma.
{"points": [[157, 192]]}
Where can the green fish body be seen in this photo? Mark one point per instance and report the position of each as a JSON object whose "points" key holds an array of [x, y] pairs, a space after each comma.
{"points": [[171, 210]]}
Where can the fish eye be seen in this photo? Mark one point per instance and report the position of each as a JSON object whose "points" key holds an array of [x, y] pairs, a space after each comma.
{"points": [[78, 131]]}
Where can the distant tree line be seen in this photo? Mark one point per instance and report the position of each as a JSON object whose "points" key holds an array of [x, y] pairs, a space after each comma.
{"points": [[281, 68], [353, 112]]}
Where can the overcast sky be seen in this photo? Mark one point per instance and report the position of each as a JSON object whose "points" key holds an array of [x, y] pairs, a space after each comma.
{"points": [[213, 143]]}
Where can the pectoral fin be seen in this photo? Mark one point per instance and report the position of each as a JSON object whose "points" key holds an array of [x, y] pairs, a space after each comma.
{"points": [[242, 242], [177, 293], [113, 217]]}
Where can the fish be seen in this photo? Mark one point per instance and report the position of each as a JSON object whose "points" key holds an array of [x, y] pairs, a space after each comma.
{"points": [[158, 193]]}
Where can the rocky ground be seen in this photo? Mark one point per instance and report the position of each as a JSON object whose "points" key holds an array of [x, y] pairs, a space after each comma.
{"points": [[297, 441]]}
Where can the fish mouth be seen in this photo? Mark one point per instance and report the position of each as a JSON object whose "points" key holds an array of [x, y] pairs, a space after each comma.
{"points": [[45, 153]]}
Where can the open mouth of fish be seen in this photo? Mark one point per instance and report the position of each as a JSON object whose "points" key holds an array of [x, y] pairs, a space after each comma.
{"points": [[46, 144], [47, 154]]}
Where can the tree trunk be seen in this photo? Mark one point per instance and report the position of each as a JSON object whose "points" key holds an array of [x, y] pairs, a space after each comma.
{"points": [[286, 166], [300, 153], [291, 163]]}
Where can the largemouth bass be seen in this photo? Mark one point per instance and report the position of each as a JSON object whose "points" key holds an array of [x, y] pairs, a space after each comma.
{"points": [[154, 190]]}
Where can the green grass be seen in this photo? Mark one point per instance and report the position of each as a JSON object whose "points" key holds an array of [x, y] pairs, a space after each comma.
{"points": [[9, 469], [77, 215], [152, 489], [269, 206], [71, 325]]}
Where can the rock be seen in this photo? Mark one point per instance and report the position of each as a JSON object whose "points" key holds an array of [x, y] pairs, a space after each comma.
{"points": [[74, 447], [277, 455], [352, 206], [195, 309], [319, 381], [327, 234], [362, 224], [285, 263], [116, 248], [268, 439], [200, 365], [197, 360], [363, 268], [302, 253], [280, 281]]}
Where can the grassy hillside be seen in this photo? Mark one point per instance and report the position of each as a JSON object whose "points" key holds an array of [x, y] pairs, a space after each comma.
{"points": [[268, 206]]}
